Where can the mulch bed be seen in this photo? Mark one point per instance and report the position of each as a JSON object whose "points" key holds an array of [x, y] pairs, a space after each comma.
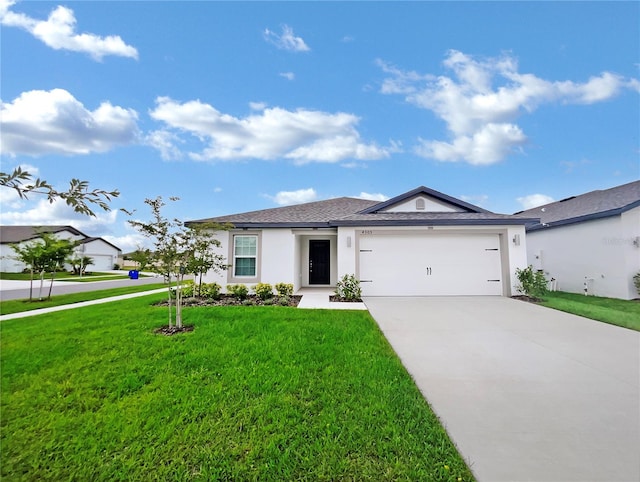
{"points": [[173, 330], [337, 299], [230, 300], [529, 299]]}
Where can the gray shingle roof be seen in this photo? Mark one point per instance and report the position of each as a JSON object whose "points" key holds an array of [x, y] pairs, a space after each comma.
{"points": [[318, 213], [347, 211], [585, 207], [17, 234]]}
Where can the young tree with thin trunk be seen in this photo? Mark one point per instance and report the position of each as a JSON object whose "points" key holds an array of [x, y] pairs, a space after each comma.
{"points": [[44, 255], [175, 250], [203, 245]]}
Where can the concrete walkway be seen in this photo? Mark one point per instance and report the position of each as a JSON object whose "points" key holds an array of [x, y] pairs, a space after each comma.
{"points": [[318, 298], [526, 393]]}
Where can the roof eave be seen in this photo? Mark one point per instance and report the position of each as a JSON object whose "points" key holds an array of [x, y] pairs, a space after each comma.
{"points": [[581, 219], [286, 224], [435, 222]]}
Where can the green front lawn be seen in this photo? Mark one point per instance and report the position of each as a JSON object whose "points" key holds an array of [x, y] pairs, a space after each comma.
{"points": [[253, 393], [19, 306], [609, 310]]}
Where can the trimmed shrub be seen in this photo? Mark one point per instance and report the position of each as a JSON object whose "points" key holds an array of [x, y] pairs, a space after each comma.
{"points": [[531, 283], [284, 289], [210, 291], [240, 291], [284, 301], [188, 288], [636, 282], [263, 290], [348, 288]]}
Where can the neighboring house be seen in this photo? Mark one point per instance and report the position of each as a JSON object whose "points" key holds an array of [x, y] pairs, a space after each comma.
{"points": [[421, 242], [103, 253], [591, 240]]}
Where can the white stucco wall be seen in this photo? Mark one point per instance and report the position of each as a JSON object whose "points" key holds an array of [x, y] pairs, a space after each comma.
{"points": [[277, 260], [277, 266], [284, 253], [10, 265], [347, 252], [103, 254], [600, 251]]}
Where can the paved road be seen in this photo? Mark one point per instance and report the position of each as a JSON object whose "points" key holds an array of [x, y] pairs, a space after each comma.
{"points": [[15, 290], [527, 393]]}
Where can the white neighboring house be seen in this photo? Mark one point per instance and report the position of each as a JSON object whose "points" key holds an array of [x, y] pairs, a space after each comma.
{"points": [[422, 242], [591, 240], [103, 253]]}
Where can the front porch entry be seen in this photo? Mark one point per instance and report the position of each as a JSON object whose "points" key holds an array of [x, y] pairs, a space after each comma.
{"points": [[316, 259], [319, 262]]}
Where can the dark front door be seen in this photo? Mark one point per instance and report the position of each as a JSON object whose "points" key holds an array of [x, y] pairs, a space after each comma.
{"points": [[319, 261]]}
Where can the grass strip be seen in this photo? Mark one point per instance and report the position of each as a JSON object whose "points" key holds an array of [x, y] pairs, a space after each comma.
{"points": [[252, 394], [19, 306], [57, 275], [614, 311]]}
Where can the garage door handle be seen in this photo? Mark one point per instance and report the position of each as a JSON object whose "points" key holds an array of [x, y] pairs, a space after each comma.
{"points": [[494, 280]]}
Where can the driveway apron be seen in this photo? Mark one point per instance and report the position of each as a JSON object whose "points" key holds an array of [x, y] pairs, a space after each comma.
{"points": [[526, 393]]}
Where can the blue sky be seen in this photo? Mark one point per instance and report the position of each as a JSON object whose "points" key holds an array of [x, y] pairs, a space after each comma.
{"points": [[236, 106]]}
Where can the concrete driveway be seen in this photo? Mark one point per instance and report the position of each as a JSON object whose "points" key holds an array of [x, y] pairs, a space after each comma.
{"points": [[526, 393]]}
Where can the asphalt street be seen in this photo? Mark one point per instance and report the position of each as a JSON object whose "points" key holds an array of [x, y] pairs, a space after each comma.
{"points": [[16, 290]]}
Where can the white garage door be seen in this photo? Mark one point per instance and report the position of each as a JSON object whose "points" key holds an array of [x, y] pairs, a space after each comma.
{"points": [[101, 262], [430, 265]]}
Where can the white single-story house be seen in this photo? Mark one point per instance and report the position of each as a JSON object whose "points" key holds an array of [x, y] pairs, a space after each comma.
{"points": [[103, 253], [589, 241], [422, 242]]}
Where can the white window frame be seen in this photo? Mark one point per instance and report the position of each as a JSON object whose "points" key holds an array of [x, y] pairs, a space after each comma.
{"points": [[231, 272]]}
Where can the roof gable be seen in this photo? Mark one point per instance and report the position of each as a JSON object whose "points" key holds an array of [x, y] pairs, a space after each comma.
{"points": [[439, 209], [432, 201]]}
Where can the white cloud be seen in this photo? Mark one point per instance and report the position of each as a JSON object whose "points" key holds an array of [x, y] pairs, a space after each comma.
{"points": [[9, 198], [478, 200], [481, 100], [534, 200], [287, 198], [489, 145], [372, 197], [59, 33], [302, 135], [286, 40], [288, 75], [44, 213], [42, 122], [257, 105], [129, 242], [165, 142]]}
